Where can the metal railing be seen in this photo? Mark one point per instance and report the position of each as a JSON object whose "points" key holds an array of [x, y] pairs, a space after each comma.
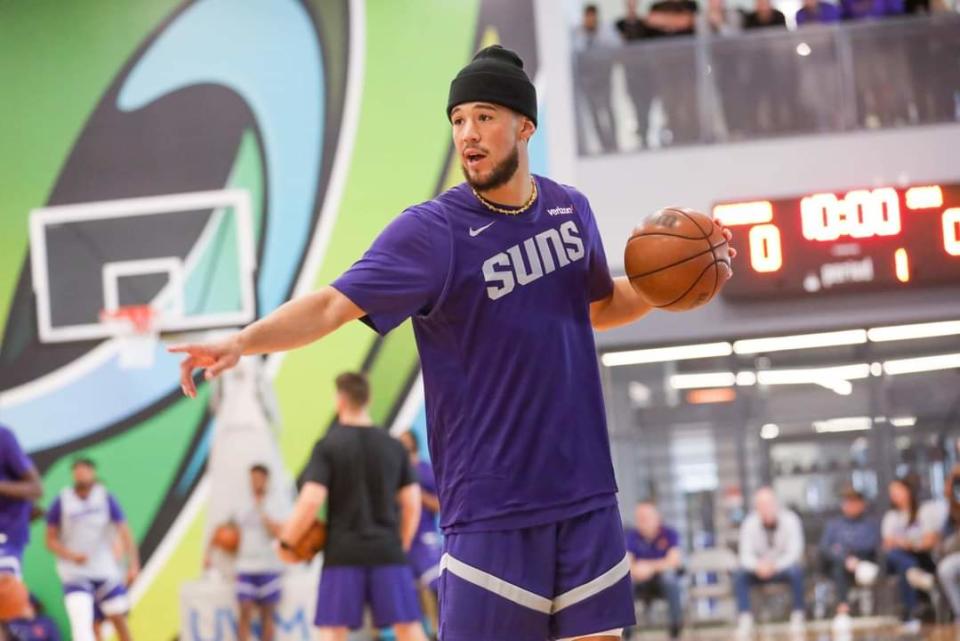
{"points": [[708, 89]]}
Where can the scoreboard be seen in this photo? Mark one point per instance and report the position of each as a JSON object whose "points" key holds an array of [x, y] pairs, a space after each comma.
{"points": [[885, 238]]}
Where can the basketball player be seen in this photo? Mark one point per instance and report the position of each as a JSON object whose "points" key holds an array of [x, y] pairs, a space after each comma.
{"points": [[259, 572], [367, 477], [81, 525], [19, 487], [425, 552], [505, 278]]}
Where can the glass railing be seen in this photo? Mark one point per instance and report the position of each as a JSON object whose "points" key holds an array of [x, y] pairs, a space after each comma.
{"points": [[766, 83]]}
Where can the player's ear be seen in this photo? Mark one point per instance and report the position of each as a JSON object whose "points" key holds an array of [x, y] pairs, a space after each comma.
{"points": [[527, 129]]}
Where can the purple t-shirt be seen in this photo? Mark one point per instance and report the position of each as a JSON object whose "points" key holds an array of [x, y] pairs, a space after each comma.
{"points": [[501, 313], [428, 519], [14, 513], [651, 549]]}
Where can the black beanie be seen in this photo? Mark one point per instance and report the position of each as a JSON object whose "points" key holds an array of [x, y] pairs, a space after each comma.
{"points": [[495, 75]]}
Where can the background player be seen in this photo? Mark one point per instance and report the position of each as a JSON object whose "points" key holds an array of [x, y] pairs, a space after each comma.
{"points": [[81, 525], [373, 512], [426, 549], [259, 573], [19, 487], [505, 278]]}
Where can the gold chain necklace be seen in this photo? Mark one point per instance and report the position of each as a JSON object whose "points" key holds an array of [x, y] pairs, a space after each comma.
{"points": [[509, 212]]}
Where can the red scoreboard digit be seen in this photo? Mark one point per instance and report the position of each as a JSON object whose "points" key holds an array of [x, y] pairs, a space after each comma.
{"points": [[859, 240]]}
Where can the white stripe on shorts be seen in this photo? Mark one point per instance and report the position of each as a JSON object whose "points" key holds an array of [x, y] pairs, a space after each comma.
{"points": [[10, 565], [494, 584], [606, 580], [430, 575], [618, 633], [529, 599]]}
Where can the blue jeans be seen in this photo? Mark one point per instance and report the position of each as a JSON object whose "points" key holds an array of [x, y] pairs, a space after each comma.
{"points": [[665, 585], [745, 579], [898, 562]]}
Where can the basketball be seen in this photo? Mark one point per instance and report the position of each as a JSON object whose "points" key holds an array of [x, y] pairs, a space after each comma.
{"points": [[677, 259], [227, 538], [311, 542], [14, 598]]}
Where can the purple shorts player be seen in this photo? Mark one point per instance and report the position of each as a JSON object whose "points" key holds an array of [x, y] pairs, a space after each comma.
{"points": [[427, 547], [19, 487], [505, 279]]}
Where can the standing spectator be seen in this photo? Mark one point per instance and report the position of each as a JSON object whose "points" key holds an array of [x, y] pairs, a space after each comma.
{"points": [[817, 11], [771, 551], [948, 569], [593, 42], [19, 487], [638, 69], [849, 541], [911, 531], [81, 525], [654, 551]]}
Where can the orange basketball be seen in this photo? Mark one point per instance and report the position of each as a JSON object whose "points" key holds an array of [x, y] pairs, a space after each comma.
{"points": [[311, 542], [14, 598], [677, 259], [227, 538]]}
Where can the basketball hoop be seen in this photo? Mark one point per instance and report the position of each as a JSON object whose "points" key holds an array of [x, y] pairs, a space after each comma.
{"points": [[135, 327]]}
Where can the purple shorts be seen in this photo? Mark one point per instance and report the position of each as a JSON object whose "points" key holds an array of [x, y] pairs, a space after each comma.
{"points": [[261, 588], [561, 580], [424, 558], [109, 597], [389, 590], [11, 559]]}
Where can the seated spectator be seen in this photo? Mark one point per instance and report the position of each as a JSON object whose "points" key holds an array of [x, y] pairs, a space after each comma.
{"points": [[948, 569], [764, 16], [771, 551], [911, 531], [817, 11], [849, 548], [655, 559]]}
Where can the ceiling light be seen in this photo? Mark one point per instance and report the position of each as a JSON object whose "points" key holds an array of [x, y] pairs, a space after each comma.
{"points": [[801, 341], [666, 354]]}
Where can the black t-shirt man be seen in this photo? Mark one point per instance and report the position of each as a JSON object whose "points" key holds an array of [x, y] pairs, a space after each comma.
{"points": [[362, 468]]}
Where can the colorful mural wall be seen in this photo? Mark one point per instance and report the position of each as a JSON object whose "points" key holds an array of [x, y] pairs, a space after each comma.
{"points": [[330, 113]]}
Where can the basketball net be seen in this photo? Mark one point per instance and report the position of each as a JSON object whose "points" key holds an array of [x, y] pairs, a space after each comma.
{"points": [[135, 327]]}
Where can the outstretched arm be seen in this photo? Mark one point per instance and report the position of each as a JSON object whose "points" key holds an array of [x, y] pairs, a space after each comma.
{"points": [[296, 323]]}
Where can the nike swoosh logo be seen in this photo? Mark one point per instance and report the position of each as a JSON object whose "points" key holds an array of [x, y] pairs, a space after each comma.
{"points": [[476, 232]]}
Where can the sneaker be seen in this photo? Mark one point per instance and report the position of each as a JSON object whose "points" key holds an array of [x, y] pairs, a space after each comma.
{"points": [[745, 626], [842, 624], [910, 627], [797, 621], [921, 580]]}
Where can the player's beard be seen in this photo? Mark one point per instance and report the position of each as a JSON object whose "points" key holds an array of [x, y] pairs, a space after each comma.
{"points": [[501, 174]]}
